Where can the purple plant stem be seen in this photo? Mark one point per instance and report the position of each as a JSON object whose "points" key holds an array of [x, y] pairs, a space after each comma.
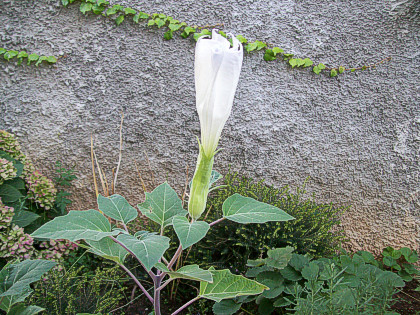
{"points": [[177, 253], [217, 221], [138, 282], [186, 305], [156, 298]]}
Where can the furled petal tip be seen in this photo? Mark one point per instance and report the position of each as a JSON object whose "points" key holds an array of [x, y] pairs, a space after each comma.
{"points": [[217, 67]]}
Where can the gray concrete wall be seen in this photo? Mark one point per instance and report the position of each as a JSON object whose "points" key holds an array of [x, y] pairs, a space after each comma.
{"points": [[356, 135]]}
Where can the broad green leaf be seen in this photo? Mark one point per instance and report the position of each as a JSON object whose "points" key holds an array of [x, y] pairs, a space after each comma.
{"points": [[251, 47], [321, 66], [192, 272], [341, 69], [333, 73], [253, 272], [316, 70], [10, 54], [298, 261], [279, 258], [52, 59], [269, 55], [22, 54], [16, 278], [189, 233], [40, 59], [23, 218], [114, 9], [247, 210], [129, 11], [65, 2], [280, 302], [277, 50], [149, 248], [77, 225], [168, 35], [311, 271], [161, 205], [290, 273], [151, 23], [9, 193], [85, 7], [117, 208], [300, 62], [162, 267], [2, 51], [227, 286], [98, 9], [108, 249], [274, 281], [119, 19], [32, 57], [159, 22], [241, 39], [308, 62], [21, 309], [293, 62], [226, 307]]}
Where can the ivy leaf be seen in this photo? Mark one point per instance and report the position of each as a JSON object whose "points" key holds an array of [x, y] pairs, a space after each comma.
{"points": [[113, 10], [2, 51], [117, 208], [241, 39], [247, 210], [161, 205], [97, 9], [251, 47], [151, 23], [189, 233], [65, 2], [333, 73], [119, 19], [293, 62], [300, 62], [168, 35], [260, 45], [40, 59], [86, 7], [269, 55], [204, 32], [321, 66], [188, 30], [227, 286], [308, 62], [317, 70], [174, 27], [102, 2], [22, 54], [76, 225], [32, 57], [129, 11], [277, 50], [341, 69], [159, 22], [10, 54], [52, 59], [149, 248], [352, 70], [287, 56]]}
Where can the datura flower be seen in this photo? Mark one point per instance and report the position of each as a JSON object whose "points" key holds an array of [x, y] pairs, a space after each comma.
{"points": [[217, 68]]}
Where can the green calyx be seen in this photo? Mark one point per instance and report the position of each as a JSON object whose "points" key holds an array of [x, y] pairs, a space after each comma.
{"points": [[200, 184]]}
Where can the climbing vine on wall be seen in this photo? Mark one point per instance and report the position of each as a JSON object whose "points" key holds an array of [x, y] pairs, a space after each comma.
{"points": [[173, 26], [23, 55]]}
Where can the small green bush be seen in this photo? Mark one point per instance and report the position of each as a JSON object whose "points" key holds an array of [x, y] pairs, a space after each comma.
{"points": [[228, 245], [342, 285], [74, 291]]}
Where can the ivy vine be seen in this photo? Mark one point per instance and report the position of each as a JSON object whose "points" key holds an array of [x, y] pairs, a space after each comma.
{"points": [[21, 55], [172, 26]]}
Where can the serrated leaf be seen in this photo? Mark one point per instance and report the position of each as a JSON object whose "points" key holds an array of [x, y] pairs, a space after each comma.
{"points": [[108, 249], [117, 208], [247, 210], [149, 248], [161, 205], [226, 307], [279, 258], [192, 272], [77, 225], [274, 281], [227, 286], [189, 233], [16, 278], [21, 309], [23, 218]]}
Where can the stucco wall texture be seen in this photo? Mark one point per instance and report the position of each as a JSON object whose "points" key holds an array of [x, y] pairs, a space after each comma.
{"points": [[357, 135]]}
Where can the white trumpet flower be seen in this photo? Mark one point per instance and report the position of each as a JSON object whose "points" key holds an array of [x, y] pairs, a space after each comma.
{"points": [[217, 69]]}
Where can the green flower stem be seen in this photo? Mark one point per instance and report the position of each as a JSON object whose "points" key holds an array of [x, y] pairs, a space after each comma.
{"points": [[200, 184]]}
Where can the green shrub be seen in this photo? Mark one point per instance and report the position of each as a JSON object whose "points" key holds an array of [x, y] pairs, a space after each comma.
{"points": [[228, 245], [74, 291], [341, 285]]}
